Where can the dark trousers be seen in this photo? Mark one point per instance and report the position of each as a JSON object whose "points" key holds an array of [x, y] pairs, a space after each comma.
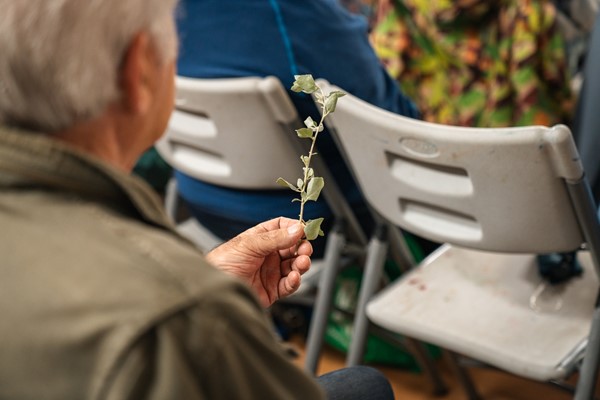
{"points": [[356, 383]]}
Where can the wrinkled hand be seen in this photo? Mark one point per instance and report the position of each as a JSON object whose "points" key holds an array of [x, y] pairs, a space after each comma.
{"points": [[267, 257]]}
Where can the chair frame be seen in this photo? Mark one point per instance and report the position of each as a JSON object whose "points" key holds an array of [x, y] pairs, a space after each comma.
{"points": [[576, 192], [195, 98], [345, 240]]}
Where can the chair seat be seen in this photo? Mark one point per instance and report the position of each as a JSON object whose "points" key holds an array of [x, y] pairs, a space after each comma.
{"points": [[196, 233], [478, 304]]}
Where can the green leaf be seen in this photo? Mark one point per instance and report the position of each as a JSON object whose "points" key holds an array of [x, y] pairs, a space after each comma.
{"points": [[285, 183], [331, 101], [305, 160], [310, 123], [312, 229], [314, 188], [310, 173], [304, 133], [299, 183], [304, 83]]}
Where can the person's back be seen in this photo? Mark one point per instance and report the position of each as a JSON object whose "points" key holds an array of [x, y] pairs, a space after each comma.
{"points": [[236, 38], [101, 299], [478, 63]]}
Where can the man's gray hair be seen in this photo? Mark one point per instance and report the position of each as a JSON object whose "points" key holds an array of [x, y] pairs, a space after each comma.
{"points": [[60, 59]]}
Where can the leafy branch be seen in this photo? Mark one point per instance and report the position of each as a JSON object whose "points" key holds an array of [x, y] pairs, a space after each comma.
{"points": [[309, 186]]}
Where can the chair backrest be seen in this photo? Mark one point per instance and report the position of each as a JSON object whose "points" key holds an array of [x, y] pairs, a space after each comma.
{"points": [[239, 133], [496, 189], [232, 132]]}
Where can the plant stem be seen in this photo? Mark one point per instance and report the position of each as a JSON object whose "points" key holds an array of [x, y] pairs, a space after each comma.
{"points": [[310, 154]]}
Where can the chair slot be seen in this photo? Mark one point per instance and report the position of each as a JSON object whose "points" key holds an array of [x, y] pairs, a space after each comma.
{"points": [[434, 178], [199, 161], [193, 125], [440, 221]]}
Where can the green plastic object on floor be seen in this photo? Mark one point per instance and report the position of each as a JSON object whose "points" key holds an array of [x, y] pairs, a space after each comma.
{"points": [[339, 327]]}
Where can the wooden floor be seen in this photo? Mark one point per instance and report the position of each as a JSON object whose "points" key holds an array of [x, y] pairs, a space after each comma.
{"points": [[491, 384]]}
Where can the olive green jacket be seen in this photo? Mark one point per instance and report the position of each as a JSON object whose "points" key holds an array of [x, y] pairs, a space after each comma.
{"points": [[100, 299]]}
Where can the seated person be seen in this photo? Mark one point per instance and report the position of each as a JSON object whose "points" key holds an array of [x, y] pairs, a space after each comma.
{"points": [[481, 63], [477, 63], [238, 38], [100, 297]]}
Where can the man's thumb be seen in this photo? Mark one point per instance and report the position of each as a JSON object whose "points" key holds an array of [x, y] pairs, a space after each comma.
{"points": [[295, 230], [279, 239]]}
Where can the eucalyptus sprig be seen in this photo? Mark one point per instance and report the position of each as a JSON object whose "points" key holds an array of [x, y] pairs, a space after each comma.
{"points": [[309, 186]]}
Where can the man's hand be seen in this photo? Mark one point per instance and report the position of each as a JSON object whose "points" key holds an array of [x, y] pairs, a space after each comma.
{"points": [[270, 257]]}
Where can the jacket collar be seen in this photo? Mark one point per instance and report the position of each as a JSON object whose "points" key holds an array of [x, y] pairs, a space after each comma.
{"points": [[35, 160]]}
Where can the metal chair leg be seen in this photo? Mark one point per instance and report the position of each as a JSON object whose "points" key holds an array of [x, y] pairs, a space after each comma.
{"points": [[418, 350], [588, 376], [376, 254], [324, 299], [463, 377]]}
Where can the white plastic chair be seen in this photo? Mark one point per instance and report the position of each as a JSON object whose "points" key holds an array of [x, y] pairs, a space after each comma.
{"points": [[496, 198], [239, 133]]}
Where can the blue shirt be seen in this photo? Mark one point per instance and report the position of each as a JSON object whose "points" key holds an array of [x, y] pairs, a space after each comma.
{"points": [[237, 38]]}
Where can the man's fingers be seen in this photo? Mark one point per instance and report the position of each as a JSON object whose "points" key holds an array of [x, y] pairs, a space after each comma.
{"points": [[273, 241], [305, 248], [301, 264], [289, 284], [272, 224]]}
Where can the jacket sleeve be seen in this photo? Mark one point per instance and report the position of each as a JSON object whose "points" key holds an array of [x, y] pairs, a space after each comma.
{"points": [[222, 347]]}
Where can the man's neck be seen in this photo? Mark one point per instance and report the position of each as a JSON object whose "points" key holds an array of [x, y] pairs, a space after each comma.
{"points": [[106, 137]]}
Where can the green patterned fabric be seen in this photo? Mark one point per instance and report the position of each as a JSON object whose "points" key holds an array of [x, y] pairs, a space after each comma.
{"points": [[486, 63]]}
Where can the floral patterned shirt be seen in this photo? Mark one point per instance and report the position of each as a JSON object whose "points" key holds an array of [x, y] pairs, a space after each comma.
{"points": [[477, 62]]}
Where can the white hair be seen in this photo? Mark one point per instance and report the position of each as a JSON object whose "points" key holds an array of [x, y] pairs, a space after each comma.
{"points": [[60, 59]]}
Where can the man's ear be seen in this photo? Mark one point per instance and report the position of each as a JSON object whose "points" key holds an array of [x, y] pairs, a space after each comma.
{"points": [[138, 74]]}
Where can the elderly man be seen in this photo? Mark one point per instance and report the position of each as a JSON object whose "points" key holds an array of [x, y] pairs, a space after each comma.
{"points": [[99, 297]]}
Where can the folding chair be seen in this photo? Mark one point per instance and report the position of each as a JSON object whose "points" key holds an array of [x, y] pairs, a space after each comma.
{"points": [[239, 133], [225, 132], [496, 198]]}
